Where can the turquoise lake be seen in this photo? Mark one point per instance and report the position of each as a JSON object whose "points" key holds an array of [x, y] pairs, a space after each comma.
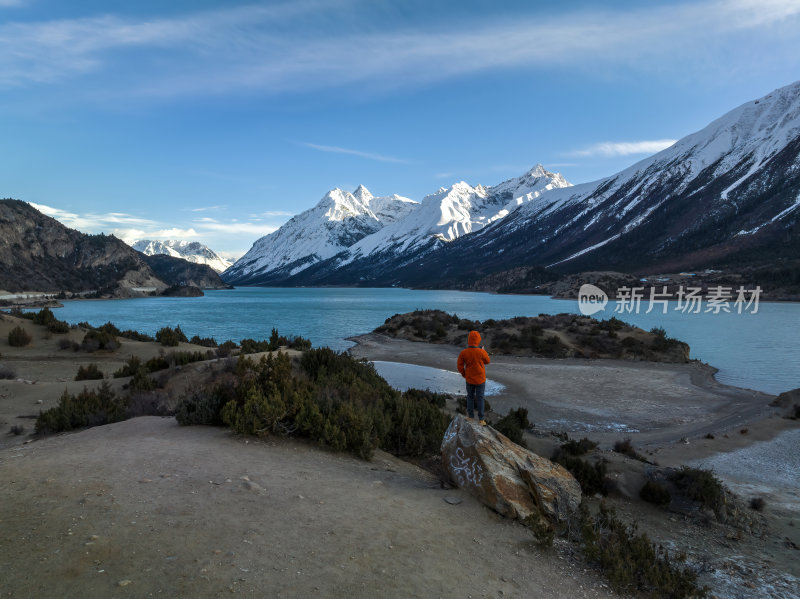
{"points": [[758, 351]]}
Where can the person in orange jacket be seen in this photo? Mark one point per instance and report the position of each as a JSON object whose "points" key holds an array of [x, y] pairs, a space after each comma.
{"points": [[471, 364]]}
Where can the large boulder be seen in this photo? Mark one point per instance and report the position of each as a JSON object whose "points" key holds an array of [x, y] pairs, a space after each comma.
{"points": [[511, 480]]}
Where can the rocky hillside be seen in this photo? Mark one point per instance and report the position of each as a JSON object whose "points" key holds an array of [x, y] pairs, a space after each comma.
{"points": [[39, 254], [180, 272]]}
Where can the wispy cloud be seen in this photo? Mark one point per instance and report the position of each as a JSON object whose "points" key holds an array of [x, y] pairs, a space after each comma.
{"points": [[130, 228], [359, 153], [623, 148], [209, 208], [94, 222], [252, 48]]}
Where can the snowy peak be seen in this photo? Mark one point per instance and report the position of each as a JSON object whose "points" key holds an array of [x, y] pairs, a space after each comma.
{"points": [[363, 195], [192, 251], [339, 220]]}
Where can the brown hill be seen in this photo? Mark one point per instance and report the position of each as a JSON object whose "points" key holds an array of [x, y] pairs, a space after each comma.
{"points": [[38, 253]]}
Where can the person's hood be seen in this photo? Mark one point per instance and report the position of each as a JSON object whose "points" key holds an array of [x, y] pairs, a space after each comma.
{"points": [[474, 338]]}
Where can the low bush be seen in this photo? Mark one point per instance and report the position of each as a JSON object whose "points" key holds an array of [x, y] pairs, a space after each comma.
{"points": [[655, 493], [16, 429], [19, 337], [141, 381], [701, 486], [129, 369], [6, 372], [758, 504], [204, 341], [333, 399], [204, 406], [97, 339], [578, 448], [225, 349], [88, 373], [88, 408], [136, 336], [625, 448], [590, 476], [631, 562], [171, 337], [513, 425], [45, 317]]}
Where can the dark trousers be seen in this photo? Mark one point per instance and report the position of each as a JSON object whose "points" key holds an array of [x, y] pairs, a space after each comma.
{"points": [[475, 395]]}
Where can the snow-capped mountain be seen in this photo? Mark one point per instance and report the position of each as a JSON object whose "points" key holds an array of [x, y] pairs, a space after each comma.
{"points": [[346, 229], [339, 220], [191, 251], [728, 194], [448, 214]]}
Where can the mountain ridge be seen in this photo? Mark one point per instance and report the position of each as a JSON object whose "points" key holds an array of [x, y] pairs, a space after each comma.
{"points": [[724, 196]]}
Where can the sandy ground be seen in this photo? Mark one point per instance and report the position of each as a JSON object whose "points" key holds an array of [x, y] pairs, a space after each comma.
{"points": [[147, 508]]}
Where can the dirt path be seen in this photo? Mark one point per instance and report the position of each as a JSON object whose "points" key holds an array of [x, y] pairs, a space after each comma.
{"points": [[145, 507]]}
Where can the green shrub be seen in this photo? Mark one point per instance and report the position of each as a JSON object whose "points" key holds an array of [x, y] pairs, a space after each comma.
{"points": [[590, 476], [45, 317], [19, 337], [654, 492], [136, 336], [625, 448], [333, 399], [171, 337], [204, 406], [204, 341], [88, 408], [131, 366], [631, 562], [578, 448], [97, 339], [141, 381], [225, 349], [513, 424], [88, 373], [701, 486]]}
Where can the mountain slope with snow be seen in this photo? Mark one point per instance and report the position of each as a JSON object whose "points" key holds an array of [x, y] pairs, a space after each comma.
{"points": [[192, 251], [726, 195], [339, 220]]}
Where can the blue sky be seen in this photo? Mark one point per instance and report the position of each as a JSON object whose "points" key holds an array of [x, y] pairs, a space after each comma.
{"points": [[216, 121]]}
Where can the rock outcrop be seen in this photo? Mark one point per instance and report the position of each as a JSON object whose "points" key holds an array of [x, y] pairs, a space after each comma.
{"points": [[513, 481]]}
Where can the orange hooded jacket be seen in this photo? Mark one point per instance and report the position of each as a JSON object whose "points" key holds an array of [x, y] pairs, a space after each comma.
{"points": [[471, 360]]}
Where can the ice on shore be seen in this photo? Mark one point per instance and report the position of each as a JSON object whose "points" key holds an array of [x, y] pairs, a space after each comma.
{"points": [[404, 376], [764, 468]]}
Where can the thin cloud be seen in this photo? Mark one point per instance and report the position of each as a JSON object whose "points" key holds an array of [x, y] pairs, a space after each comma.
{"points": [[130, 228], [209, 208], [610, 149], [92, 222], [359, 153], [258, 48]]}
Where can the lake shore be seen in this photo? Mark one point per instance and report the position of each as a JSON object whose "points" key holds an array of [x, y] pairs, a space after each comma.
{"points": [[655, 404]]}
